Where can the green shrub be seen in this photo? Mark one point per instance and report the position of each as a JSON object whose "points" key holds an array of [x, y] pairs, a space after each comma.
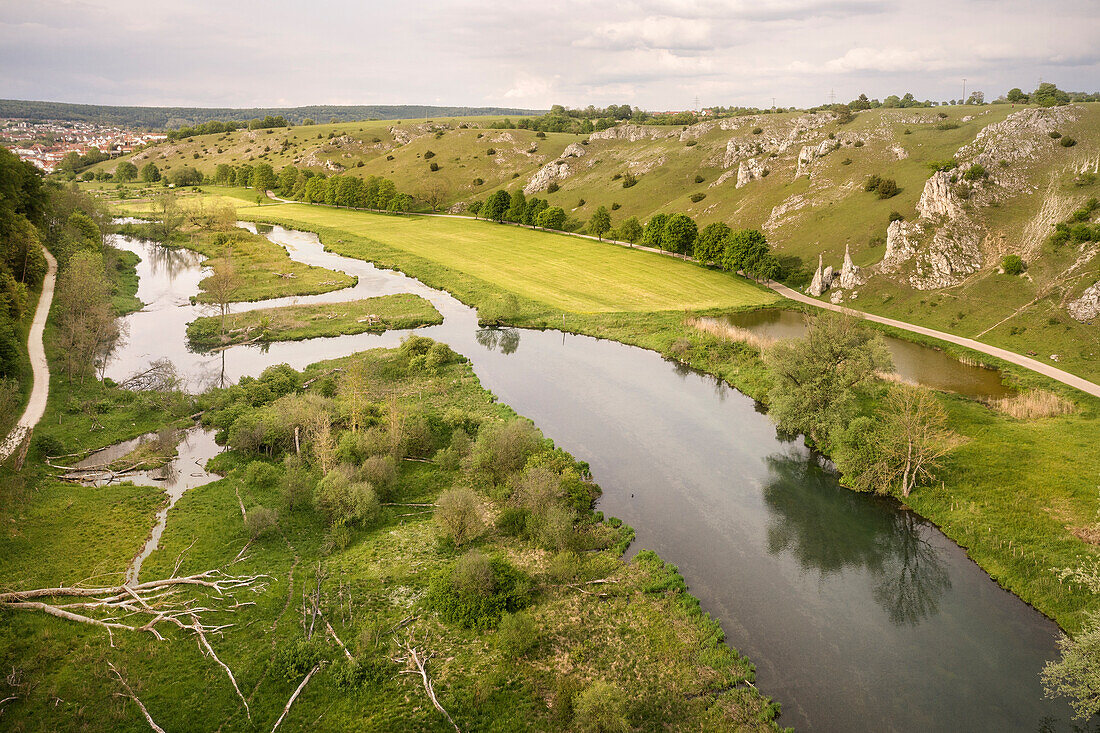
{"points": [[553, 188], [381, 473], [691, 143], [1067, 142], [260, 475], [349, 675], [896, 216], [975, 172], [502, 450], [757, 130], [517, 634], [857, 144], [477, 591], [261, 521], [297, 483], [699, 178], [888, 188], [479, 181], [1054, 134], [872, 183], [457, 515], [697, 197], [344, 501], [433, 166], [629, 179], [512, 521], [428, 155], [294, 661], [601, 708], [1013, 265]]}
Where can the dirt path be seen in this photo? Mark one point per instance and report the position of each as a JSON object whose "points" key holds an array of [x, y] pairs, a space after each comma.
{"points": [[36, 405], [1010, 356], [1045, 369]]}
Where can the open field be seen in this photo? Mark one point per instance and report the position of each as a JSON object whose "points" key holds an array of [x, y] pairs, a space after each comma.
{"points": [[296, 322], [564, 273]]}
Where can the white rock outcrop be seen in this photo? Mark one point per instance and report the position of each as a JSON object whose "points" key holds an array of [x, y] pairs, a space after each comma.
{"points": [[633, 133], [1087, 307], [552, 172], [850, 276], [823, 278], [749, 170], [809, 153], [573, 150]]}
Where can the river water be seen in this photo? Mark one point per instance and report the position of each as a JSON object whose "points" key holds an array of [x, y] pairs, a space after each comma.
{"points": [[859, 614]]}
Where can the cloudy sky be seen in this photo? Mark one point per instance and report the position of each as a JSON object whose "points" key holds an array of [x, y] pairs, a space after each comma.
{"points": [[656, 54]]}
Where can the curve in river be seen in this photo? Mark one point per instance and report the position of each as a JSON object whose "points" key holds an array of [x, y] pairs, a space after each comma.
{"points": [[859, 615]]}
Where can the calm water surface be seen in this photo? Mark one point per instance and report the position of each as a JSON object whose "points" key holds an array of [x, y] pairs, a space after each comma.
{"points": [[859, 615]]}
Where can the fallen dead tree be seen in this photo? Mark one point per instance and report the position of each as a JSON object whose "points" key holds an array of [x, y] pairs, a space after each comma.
{"points": [[413, 659]]}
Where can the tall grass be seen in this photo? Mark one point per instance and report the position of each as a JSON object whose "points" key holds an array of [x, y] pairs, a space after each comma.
{"points": [[730, 332], [1033, 404]]}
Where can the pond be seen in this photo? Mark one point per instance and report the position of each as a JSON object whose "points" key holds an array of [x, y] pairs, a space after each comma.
{"points": [[859, 614]]}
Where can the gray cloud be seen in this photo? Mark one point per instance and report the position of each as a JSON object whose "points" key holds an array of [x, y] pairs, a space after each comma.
{"points": [[657, 54]]}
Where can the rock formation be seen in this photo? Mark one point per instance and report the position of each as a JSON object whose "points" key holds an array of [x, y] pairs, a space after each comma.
{"points": [[823, 278], [1087, 307], [573, 150], [633, 133], [550, 173], [849, 274], [749, 170]]}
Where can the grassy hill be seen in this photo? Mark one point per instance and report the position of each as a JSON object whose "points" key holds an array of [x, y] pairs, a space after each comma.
{"points": [[802, 179]]}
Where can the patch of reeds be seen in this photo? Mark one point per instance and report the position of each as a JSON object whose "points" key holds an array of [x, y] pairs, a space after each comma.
{"points": [[1033, 404], [730, 332]]}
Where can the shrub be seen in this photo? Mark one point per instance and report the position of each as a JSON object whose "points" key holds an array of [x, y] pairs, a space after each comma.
{"points": [[1067, 142], [846, 161], [601, 708], [491, 151], [976, 172], [896, 216], [350, 675], [518, 634], [296, 660], [344, 501], [297, 483], [872, 183], [697, 197], [477, 591], [428, 155], [757, 130], [501, 450], [381, 473], [260, 521], [456, 515], [553, 188], [479, 181], [629, 179], [1054, 134], [1013, 265], [888, 188], [616, 206], [260, 475], [691, 143], [857, 144], [512, 521], [434, 167]]}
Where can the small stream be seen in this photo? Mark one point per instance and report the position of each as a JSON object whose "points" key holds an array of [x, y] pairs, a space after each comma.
{"points": [[859, 614]]}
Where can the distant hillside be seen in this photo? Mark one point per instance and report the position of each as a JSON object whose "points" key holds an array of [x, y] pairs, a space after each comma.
{"points": [[175, 117], [968, 187]]}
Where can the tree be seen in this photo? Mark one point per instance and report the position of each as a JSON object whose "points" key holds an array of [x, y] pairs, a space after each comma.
{"points": [[168, 215], [1048, 95], [535, 206], [125, 172], [185, 176], [630, 230], [497, 205], [288, 176], [150, 173], [223, 174], [474, 207], [816, 377], [223, 285], [1013, 265], [457, 515], [1016, 96], [898, 448], [1077, 674], [976, 98], [552, 218], [517, 207], [433, 193], [263, 177], [654, 230], [679, 234], [600, 222], [711, 243], [87, 327]]}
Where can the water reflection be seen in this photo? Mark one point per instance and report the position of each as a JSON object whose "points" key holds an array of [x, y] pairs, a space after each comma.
{"points": [[506, 340], [829, 529]]}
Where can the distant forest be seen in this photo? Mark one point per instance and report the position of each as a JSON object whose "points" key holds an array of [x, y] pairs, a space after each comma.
{"points": [[175, 117]]}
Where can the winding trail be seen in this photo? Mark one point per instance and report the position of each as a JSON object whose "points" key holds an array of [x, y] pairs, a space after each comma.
{"points": [[1010, 356], [40, 368]]}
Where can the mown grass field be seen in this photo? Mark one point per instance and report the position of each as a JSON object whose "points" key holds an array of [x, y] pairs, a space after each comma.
{"points": [[562, 272], [297, 322]]}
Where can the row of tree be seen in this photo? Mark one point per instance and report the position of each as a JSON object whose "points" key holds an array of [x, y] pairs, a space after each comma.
{"points": [[214, 127]]}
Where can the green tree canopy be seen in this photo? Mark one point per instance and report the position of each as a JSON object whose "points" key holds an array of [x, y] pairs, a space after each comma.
{"points": [[600, 222], [654, 230], [630, 230], [496, 207], [150, 173], [711, 243], [125, 171], [679, 234]]}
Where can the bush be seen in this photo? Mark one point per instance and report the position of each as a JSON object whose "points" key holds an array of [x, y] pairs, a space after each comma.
{"points": [[381, 473], [346, 502], [697, 197], [553, 188], [629, 179], [1067, 142], [349, 675], [1054, 134], [502, 450], [601, 708], [261, 521], [757, 130], [896, 216], [260, 475], [699, 178], [479, 181], [477, 591], [294, 662], [297, 483], [434, 166], [518, 634], [857, 144], [976, 172], [512, 521], [457, 515], [888, 188], [428, 155], [872, 183], [1013, 265]]}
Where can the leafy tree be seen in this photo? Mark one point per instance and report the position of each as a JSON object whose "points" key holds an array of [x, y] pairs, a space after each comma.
{"points": [[630, 230], [517, 207], [679, 234], [87, 326], [654, 231], [263, 177], [223, 174], [496, 207], [816, 377], [1049, 95], [457, 515], [288, 176], [1013, 265], [125, 172], [535, 206], [243, 175], [552, 218], [1077, 674], [1016, 96], [185, 176], [150, 173], [710, 246], [474, 207], [600, 222]]}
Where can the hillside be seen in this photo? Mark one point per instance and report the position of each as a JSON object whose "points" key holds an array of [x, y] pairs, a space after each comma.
{"points": [[800, 178]]}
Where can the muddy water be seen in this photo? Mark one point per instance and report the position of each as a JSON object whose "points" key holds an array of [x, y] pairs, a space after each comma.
{"points": [[858, 614], [913, 362]]}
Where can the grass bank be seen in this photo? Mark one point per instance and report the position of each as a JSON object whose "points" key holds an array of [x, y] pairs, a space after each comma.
{"points": [[297, 322]]}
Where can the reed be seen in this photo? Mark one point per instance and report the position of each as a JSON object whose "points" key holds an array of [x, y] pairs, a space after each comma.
{"points": [[730, 332], [1033, 404]]}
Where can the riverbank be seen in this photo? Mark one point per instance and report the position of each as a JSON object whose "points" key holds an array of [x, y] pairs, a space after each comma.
{"points": [[298, 322], [1006, 496]]}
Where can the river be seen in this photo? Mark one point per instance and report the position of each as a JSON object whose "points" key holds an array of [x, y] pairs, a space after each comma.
{"points": [[859, 614]]}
